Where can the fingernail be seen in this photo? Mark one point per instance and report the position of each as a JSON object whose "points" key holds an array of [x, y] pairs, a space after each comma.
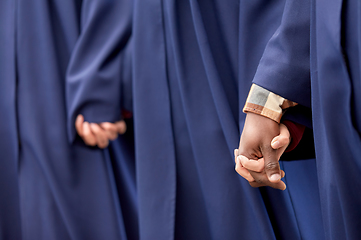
{"points": [[275, 177], [235, 152], [235, 167], [275, 144], [239, 159]]}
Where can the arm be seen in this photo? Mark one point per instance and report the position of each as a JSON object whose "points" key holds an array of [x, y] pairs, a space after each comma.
{"points": [[283, 70], [264, 110], [93, 77]]}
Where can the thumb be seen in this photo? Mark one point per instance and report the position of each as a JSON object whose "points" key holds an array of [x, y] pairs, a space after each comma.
{"points": [[271, 164], [283, 139], [281, 142]]}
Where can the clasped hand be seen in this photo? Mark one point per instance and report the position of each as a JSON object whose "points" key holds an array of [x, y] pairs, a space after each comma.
{"points": [[262, 143], [99, 134]]}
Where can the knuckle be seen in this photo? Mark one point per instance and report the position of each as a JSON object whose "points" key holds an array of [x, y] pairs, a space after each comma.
{"points": [[272, 166], [258, 180], [105, 127], [110, 128]]}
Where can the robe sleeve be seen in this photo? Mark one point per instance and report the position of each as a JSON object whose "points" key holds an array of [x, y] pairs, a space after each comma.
{"points": [[94, 75], [284, 68], [265, 103]]}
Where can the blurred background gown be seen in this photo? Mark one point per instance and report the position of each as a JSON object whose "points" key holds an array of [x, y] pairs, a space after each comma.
{"points": [[60, 191], [193, 62]]}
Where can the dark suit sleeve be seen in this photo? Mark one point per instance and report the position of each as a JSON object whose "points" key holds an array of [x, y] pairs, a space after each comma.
{"points": [[285, 65], [94, 75]]}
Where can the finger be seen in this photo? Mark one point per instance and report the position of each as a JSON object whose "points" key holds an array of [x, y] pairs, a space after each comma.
{"points": [[79, 124], [110, 129], [121, 126], [261, 180], [88, 136], [283, 139], [235, 155], [251, 164], [101, 136], [271, 164], [262, 177], [256, 184], [243, 172], [282, 174], [280, 185]]}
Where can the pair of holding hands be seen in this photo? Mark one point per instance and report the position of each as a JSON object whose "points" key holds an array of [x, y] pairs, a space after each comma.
{"points": [[262, 143]]}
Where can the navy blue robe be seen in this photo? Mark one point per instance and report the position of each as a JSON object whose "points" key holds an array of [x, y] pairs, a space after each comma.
{"points": [[66, 192], [294, 213], [320, 45], [336, 99], [193, 62], [9, 201]]}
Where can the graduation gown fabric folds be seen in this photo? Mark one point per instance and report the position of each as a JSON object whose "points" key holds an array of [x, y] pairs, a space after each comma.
{"points": [[336, 99], [192, 66], [9, 202], [65, 191], [328, 49]]}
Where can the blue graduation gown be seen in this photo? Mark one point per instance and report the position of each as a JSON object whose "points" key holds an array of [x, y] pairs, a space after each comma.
{"points": [[9, 200], [192, 64], [186, 124], [295, 213], [66, 192], [336, 99], [332, 33]]}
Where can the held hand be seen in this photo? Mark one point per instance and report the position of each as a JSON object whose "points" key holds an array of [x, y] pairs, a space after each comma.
{"points": [[254, 169], [99, 135], [253, 172], [255, 147]]}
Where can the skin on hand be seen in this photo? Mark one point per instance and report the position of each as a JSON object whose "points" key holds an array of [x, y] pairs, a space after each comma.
{"points": [[94, 134], [258, 156], [257, 173], [240, 169]]}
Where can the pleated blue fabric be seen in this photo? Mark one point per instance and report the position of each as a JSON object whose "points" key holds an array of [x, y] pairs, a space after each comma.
{"points": [[52, 189], [192, 67]]}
